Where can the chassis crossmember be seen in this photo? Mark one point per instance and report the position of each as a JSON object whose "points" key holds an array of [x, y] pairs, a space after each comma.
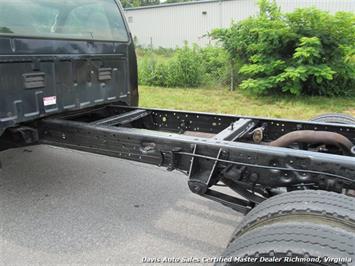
{"points": [[255, 157]]}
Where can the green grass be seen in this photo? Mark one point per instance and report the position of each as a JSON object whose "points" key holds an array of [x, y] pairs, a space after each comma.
{"points": [[218, 100]]}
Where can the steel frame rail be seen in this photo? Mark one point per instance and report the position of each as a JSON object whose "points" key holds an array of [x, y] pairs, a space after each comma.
{"points": [[205, 160]]}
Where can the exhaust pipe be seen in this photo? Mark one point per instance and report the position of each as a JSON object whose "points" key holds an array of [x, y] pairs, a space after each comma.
{"points": [[316, 137]]}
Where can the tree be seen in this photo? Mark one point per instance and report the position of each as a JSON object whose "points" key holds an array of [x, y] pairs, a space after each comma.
{"points": [[307, 51], [176, 1], [138, 3]]}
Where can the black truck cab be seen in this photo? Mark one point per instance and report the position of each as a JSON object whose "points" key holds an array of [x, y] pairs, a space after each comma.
{"points": [[58, 56]]}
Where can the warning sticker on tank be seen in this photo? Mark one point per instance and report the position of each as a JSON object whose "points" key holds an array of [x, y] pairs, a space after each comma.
{"points": [[49, 100]]}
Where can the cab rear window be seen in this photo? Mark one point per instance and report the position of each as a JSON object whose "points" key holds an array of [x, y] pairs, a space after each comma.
{"points": [[67, 19]]}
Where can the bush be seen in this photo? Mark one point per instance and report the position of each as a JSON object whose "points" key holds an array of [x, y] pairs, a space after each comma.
{"points": [[187, 67], [304, 52], [216, 67], [163, 52], [146, 69]]}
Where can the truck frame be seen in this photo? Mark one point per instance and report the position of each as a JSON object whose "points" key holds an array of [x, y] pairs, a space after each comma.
{"points": [[284, 175], [246, 154]]}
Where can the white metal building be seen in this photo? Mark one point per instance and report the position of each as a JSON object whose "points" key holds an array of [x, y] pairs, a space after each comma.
{"points": [[170, 25]]}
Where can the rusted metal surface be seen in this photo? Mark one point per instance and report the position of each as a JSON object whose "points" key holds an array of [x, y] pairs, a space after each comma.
{"points": [[314, 137]]}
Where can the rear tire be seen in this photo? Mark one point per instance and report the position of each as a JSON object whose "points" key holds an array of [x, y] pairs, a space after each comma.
{"points": [[298, 224], [314, 206], [292, 242], [335, 118]]}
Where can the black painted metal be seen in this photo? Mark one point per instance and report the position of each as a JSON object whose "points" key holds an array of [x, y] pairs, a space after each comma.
{"points": [[235, 130], [122, 119], [75, 74], [157, 137], [176, 121]]}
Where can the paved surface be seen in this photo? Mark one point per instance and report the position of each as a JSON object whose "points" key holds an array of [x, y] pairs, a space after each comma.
{"points": [[59, 206]]}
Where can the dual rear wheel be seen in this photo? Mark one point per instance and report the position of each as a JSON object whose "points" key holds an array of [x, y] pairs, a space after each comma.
{"points": [[297, 228]]}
